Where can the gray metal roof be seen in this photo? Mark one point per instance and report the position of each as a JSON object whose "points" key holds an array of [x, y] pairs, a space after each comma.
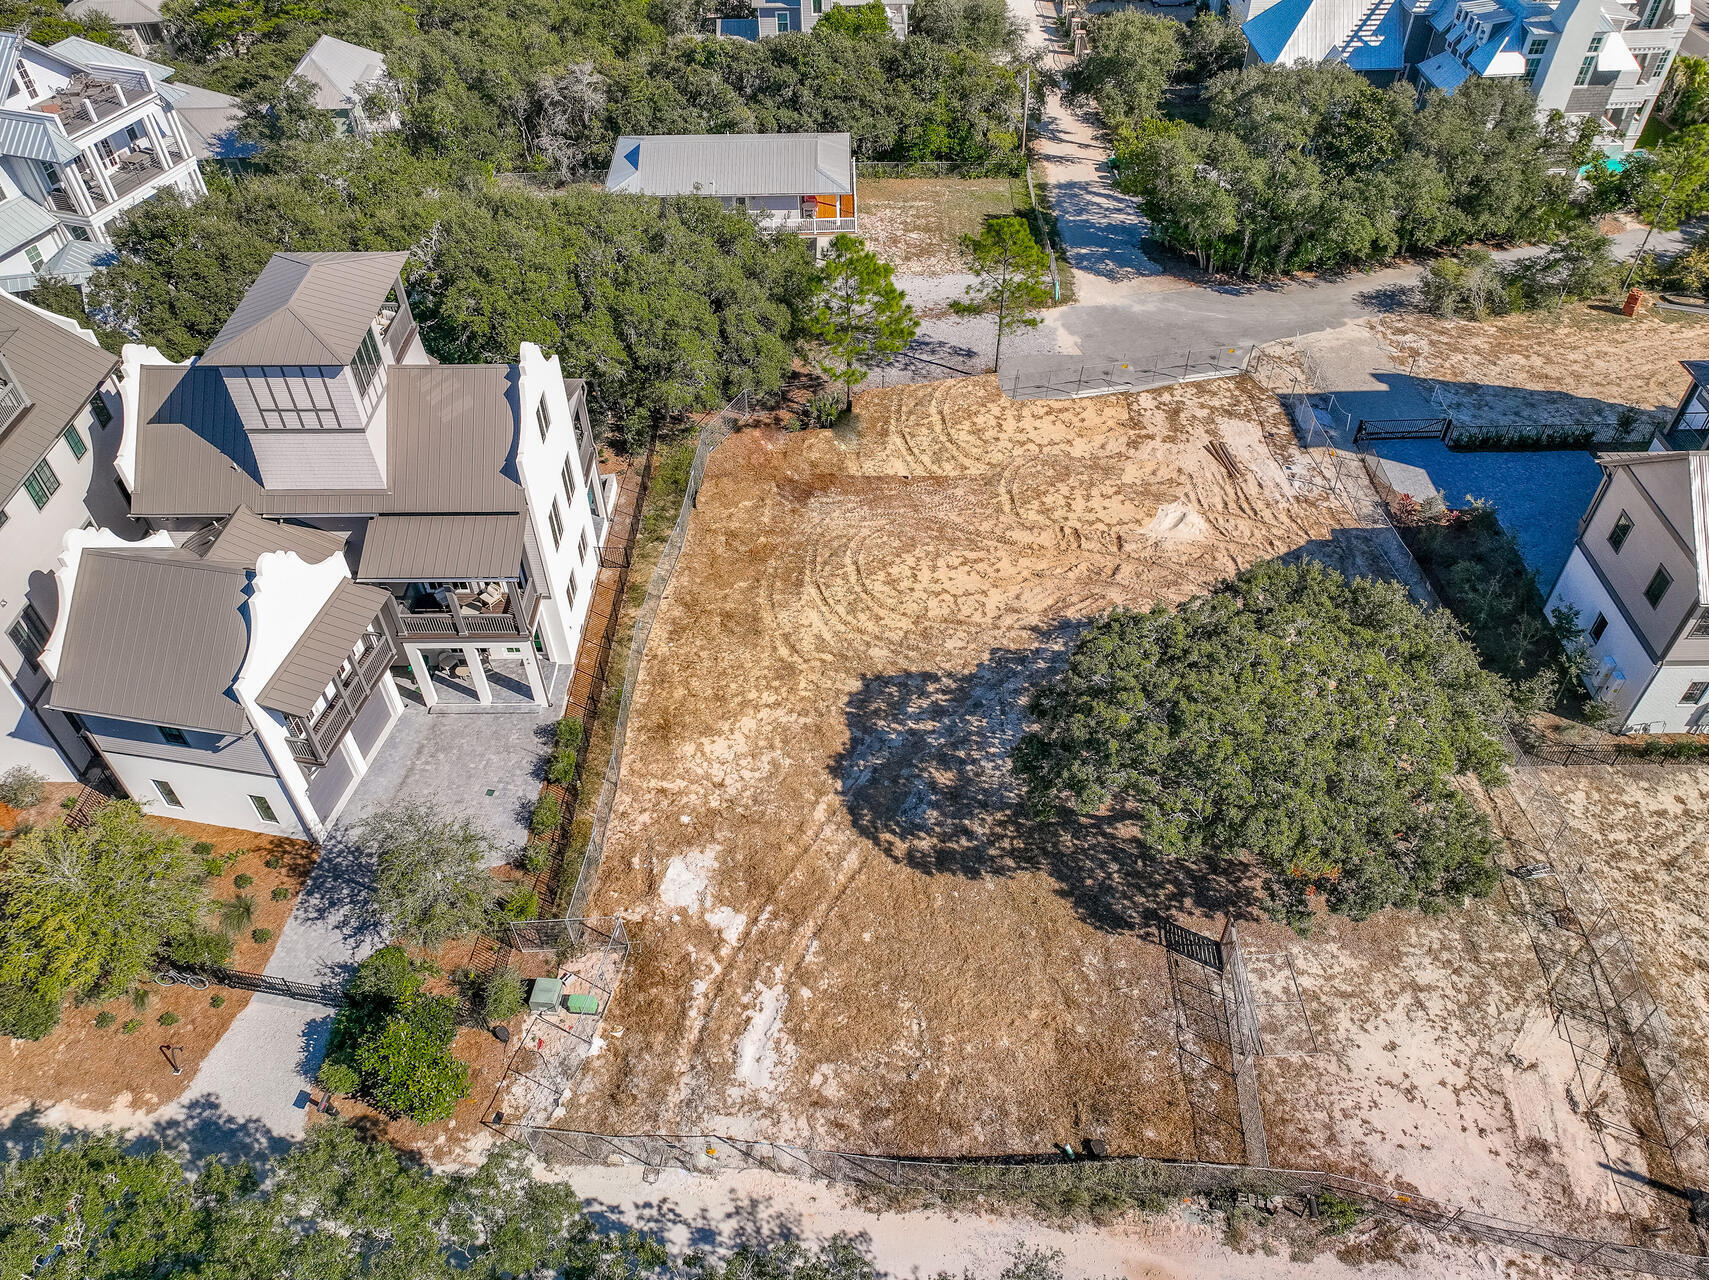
{"points": [[339, 70], [450, 447], [210, 120], [89, 53], [35, 137], [412, 548], [322, 648], [733, 164], [244, 537], [156, 637], [22, 222], [58, 369], [1698, 369], [80, 259], [306, 308], [124, 13]]}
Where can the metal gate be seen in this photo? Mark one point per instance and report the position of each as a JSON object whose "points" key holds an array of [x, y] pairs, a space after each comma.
{"points": [[1194, 946], [1402, 429]]}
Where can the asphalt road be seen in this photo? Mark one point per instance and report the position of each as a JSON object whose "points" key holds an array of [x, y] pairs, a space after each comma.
{"points": [[1696, 41]]}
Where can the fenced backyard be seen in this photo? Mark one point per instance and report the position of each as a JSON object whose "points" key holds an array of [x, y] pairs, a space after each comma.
{"points": [[1054, 378]]}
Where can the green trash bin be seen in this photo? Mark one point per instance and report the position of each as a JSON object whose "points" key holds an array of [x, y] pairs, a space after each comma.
{"points": [[581, 1004], [543, 993]]}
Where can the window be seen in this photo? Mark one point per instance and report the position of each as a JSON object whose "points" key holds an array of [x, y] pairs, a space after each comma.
{"points": [[263, 809], [1532, 67], [34, 256], [77, 232], [1651, 13], [98, 407], [556, 520], [818, 6], [569, 484], [570, 591], [1620, 532], [1596, 42], [41, 484], [366, 367], [581, 546], [168, 794], [1659, 583], [74, 442], [1701, 626], [782, 22], [1693, 693], [29, 633], [174, 737], [1537, 46], [1601, 625], [23, 80], [540, 417], [1584, 70], [108, 155]]}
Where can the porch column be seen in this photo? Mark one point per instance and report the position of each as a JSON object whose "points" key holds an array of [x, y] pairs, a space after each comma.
{"points": [[157, 139], [92, 159], [353, 757], [423, 682], [477, 675], [531, 664]]}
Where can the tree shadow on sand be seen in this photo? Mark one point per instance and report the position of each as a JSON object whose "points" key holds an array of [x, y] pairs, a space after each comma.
{"points": [[926, 778]]}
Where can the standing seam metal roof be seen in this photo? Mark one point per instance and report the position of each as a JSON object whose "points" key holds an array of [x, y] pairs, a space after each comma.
{"points": [[245, 537], [59, 371], [155, 637], [733, 164], [306, 308], [450, 447], [322, 648], [410, 548], [338, 70]]}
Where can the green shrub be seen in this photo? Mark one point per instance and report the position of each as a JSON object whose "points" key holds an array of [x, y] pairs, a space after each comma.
{"points": [[202, 947], [274, 862], [336, 1077], [216, 1001], [408, 1069], [168, 1019], [261, 935], [561, 768], [21, 787], [280, 893], [524, 904], [213, 868], [534, 859], [131, 1024], [67, 801], [244, 881], [501, 996], [388, 975], [105, 1019], [26, 1013], [1337, 1215], [202, 849], [140, 997], [548, 813], [569, 732]]}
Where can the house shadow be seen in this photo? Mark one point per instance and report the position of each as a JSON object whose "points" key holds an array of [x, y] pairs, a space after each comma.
{"points": [[926, 778]]}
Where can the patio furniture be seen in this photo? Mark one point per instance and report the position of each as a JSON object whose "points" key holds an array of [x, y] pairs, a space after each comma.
{"points": [[581, 1004], [543, 994]]}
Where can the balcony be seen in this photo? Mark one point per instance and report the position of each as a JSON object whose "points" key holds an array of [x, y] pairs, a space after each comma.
{"points": [[313, 741], [481, 615]]}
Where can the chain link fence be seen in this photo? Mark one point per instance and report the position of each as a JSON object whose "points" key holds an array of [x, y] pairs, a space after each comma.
{"points": [[713, 432], [1050, 378], [1056, 1180]]}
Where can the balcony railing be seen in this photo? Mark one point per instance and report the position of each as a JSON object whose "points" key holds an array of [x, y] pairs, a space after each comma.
{"points": [[435, 624], [312, 742], [819, 226]]}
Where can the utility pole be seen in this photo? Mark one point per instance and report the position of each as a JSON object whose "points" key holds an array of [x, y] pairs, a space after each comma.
{"points": [[1642, 244], [1026, 103]]}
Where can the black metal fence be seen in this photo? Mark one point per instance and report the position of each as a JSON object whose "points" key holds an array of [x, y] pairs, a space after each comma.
{"points": [[1402, 429], [266, 984]]}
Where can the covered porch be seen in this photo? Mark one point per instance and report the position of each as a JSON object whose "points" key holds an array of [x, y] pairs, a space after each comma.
{"points": [[481, 676]]}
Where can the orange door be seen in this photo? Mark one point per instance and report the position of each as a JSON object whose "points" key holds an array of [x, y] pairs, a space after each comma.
{"points": [[827, 206], [848, 206]]}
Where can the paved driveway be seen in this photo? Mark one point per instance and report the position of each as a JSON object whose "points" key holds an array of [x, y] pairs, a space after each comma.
{"points": [[250, 1095]]}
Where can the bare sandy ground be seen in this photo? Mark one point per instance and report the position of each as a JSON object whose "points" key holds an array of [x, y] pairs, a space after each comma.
{"points": [[847, 934]]}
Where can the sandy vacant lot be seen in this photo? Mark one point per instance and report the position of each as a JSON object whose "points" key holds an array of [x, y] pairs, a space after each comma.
{"points": [[847, 934], [1511, 370], [916, 224]]}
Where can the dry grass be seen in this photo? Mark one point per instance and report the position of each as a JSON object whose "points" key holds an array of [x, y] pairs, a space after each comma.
{"points": [[916, 224]]}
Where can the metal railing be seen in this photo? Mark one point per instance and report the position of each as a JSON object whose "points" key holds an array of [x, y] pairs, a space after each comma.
{"points": [[452, 623]]}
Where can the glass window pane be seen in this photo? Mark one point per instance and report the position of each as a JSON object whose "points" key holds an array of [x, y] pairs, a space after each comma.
{"points": [[75, 439]]}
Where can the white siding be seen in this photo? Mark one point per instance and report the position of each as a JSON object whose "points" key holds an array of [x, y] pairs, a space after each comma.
{"points": [[213, 796], [1580, 587]]}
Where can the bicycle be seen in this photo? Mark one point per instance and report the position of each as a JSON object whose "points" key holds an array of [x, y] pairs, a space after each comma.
{"points": [[175, 977]]}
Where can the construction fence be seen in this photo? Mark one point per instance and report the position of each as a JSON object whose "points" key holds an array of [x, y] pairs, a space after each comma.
{"points": [[713, 432], [1053, 378], [1063, 1180]]}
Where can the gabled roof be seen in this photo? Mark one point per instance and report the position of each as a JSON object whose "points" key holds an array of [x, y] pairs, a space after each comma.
{"points": [[210, 119], [1444, 71], [412, 548], [1695, 464], [34, 136], [322, 648], [157, 637], [124, 13], [22, 222], [80, 259], [244, 537], [59, 367], [306, 309], [733, 164], [339, 71], [450, 447]]}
